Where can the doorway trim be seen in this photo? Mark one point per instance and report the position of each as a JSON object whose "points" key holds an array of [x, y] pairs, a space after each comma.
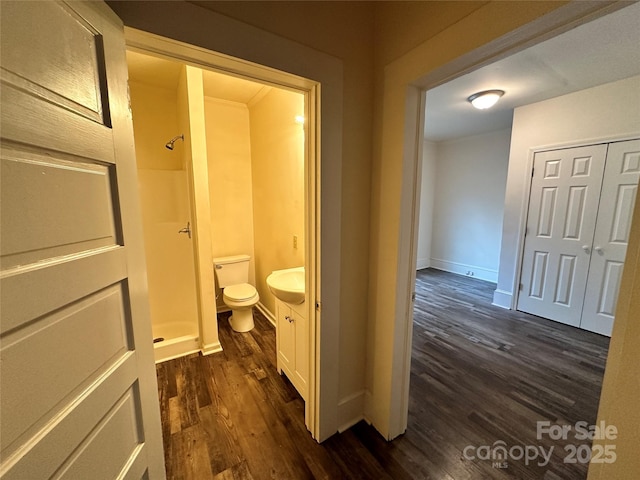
{"points": [[548, 26], [151, 44]]}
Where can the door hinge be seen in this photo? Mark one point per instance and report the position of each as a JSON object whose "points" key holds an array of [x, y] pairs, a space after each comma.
{"points": [[413, 296], [318, 306], [521, 286]]}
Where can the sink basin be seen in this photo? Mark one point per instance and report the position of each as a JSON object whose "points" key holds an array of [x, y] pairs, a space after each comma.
{"points": [[287, 285]]}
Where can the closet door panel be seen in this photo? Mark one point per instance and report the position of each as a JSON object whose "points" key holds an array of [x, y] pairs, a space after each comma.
{"points": [[565, 192], [619, 190]]}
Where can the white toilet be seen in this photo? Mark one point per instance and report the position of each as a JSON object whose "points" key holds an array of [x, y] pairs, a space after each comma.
{"points": [[238, 295]]}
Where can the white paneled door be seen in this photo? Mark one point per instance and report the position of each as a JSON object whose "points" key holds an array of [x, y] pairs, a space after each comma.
{"points": [[579, 213], [619, 189], [78, 390], [565, 191]]}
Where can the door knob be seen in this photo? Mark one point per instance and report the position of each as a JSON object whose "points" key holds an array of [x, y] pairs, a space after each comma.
{"points": [[585, 248], [599, 249]]}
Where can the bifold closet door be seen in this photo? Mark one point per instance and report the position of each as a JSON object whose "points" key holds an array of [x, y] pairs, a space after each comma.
{"points": [[563, 204], [619, 189]]}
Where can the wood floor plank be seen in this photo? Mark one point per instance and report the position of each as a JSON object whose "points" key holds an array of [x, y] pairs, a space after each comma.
{"points": [[279, 431], [191, 449], [237, 472], [186, 385], [175, 414], [479, 374]]}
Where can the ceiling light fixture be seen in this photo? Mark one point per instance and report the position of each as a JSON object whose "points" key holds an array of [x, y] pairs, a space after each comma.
{"points": [[486, 99]]}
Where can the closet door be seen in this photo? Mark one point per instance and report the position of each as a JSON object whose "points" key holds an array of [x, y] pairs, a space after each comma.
{"points": [[619, 189], [565, 191]]}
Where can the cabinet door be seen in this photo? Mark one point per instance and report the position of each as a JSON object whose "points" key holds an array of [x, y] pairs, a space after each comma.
{"points": [[286, 338], [619, 189], [302, 353]]}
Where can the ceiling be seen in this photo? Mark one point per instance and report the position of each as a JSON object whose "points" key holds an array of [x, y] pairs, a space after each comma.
{"points": [[599, 52], [164, 73]]}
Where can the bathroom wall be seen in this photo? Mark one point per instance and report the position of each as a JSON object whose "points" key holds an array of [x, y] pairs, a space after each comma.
{"points": [[230, 188], [165, 206], [277, 162], [255, 158]]}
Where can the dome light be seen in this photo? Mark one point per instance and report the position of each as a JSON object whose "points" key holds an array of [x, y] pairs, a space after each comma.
{"points": [[486, 99]]}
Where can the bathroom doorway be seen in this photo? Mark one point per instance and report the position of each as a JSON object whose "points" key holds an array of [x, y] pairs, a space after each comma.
{"points": [[222, 220]]}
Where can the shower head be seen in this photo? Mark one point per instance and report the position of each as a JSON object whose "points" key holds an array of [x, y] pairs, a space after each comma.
{"points": [[170, 143]]}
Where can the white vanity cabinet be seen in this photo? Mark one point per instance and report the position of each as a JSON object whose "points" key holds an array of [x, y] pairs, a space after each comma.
{"points": [[292, 344]]}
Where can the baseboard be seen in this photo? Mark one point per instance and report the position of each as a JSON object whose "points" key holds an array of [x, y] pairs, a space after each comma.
{"points": [[423, 263], [502, 298], [175, 348], [464, 269], [350, 410], [269, 316], [211, 348]]}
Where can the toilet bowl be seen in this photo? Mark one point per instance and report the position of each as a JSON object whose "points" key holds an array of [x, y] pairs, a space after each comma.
{"points": [[232, 274], [240, 299]]}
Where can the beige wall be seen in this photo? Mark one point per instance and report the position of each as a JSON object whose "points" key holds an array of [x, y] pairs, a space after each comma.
{"points": [[277, 162], [192, 112], [255, 161], [165, 206], [230, 194]]}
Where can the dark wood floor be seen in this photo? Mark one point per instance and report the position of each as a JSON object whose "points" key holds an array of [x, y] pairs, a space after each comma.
{"points": [[479, 374]]}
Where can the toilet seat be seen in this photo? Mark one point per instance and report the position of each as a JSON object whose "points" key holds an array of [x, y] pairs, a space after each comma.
{"points": [[240, 292]]}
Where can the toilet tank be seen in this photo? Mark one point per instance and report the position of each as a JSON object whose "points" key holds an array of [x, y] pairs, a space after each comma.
{"points": [[232, 270]]}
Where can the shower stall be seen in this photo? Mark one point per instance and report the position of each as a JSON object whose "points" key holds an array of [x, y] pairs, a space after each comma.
{"points": [[165, 184]]}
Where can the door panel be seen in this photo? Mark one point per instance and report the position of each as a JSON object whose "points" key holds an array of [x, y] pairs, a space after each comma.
{"points": [[565, 191], [93, 331], [619, 189], [69, 77], [566, 280], [70, 190], [79, 394]]}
